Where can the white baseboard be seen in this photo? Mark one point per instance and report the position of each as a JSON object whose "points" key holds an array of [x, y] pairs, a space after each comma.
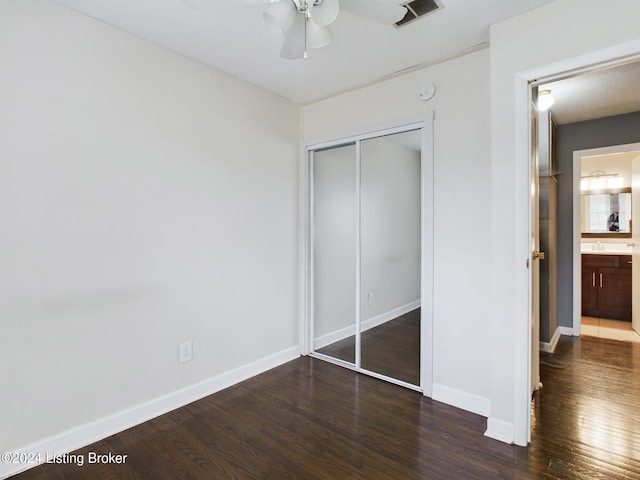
{"points": [[89, 433], [334, 336], [390, 315], [569, 331], [373, 322], [500, 430], [458, 398], [550, 347]]}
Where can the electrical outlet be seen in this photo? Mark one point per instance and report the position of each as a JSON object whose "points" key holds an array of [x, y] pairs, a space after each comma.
{"points": [[185, 352], [370, 298]]}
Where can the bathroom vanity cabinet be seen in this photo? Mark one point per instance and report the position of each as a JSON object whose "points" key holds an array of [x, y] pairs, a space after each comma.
{"points": [[606, 286]]}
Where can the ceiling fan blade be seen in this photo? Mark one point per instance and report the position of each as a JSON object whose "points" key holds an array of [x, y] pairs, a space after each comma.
{"points": [[211, 4], [293, 46], [375, 10]]}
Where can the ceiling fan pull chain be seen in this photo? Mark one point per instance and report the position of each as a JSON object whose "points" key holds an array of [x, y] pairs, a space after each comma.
{"points": [[306, 22]]}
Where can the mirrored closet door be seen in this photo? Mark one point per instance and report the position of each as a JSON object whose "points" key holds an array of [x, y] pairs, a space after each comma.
{"points": [[335, 252], [366, 224], [390, 193]]}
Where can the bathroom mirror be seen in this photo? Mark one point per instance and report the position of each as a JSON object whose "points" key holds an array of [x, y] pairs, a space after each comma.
{"points": [[606, 214]]}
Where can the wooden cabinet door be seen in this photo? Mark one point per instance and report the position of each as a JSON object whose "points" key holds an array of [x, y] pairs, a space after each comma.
{"points": [[589, 291], [614, 294]]}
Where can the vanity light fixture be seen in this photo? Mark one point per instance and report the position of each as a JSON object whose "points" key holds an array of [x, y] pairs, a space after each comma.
{"points": [[600, 180], [545, 100]]}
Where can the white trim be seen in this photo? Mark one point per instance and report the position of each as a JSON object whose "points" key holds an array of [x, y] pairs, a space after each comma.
{"points": [[303, 243], [550, 347], [464, 400], [390, 315], [500, 430], [342, 333], [568, 331], [575, 247], [358, 247], [522, 361], [410, 122], [335, 336], [92, 432], [427, 255], [521, 431]]}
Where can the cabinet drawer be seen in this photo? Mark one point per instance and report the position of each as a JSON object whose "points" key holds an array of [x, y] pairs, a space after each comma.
{"points": [[625, 261], [601, 260]]}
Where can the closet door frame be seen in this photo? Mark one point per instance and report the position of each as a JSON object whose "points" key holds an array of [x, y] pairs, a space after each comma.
{"points": [[424, 123]]}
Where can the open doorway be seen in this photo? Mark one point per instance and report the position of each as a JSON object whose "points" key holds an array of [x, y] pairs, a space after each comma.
{"points": [[606, 196], [596, 109], [585, 121]]}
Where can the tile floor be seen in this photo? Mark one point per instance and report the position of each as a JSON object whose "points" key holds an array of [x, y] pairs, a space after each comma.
{"points": [[611, 329]]}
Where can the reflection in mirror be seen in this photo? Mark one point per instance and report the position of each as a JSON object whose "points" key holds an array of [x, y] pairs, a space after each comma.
{"points": [[334, 252], [390, 255], [606, 213]]}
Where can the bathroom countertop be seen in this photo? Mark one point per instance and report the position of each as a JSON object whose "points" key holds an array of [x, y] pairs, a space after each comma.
{"points": [[605, 249]]}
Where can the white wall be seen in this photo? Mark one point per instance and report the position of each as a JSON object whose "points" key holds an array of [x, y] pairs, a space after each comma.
{"points": [[145, 200], [617, 163], [559, 36], [462, 172]]}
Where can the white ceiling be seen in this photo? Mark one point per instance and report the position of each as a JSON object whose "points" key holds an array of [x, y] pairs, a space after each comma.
{"points": [[596, 94], [236, 41]]}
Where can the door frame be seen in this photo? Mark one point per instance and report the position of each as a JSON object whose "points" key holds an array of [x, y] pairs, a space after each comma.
{"points": [[523, 81], [577, 276], [534, 231], [414, 122]]}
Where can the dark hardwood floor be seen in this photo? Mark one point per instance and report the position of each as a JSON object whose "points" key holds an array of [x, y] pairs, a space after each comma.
{"points": [[586, 422], [309, 419], [391, 349]]}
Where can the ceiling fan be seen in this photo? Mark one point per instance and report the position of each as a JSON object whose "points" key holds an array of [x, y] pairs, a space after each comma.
{"points": [[305, 24]]}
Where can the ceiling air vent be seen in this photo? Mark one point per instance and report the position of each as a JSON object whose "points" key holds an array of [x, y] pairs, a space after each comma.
{"points": [[417, 9]]}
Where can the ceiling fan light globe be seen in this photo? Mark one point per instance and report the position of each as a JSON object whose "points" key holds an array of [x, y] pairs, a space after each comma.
{"points": [[326, 12], [293, 43], [280, 16], [318, 35]]}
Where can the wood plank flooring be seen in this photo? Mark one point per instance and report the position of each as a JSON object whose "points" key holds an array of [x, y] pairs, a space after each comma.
{"points": [[585, 418], [309, 419]]}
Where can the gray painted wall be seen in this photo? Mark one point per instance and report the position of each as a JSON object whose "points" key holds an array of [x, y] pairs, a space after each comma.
{"points": [[602, 132]]}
